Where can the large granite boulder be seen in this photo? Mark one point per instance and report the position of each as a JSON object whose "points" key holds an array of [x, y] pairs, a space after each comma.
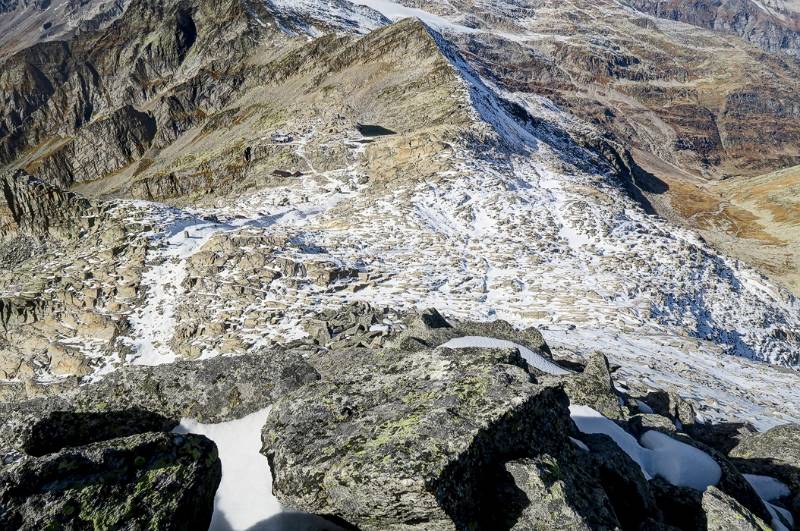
{"points": [[405, 439], [149, 481]]}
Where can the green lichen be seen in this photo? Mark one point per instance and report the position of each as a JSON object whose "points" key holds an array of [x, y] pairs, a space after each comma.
{"points": [[395, 431], [472, 390]]}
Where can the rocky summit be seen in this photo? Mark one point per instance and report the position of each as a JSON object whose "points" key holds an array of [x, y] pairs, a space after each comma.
{"points": [[400, 265]]}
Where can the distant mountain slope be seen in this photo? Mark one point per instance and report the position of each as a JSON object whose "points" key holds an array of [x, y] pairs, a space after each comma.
{"points": [[26, 22], [693, 105], [484, 202], [771, 25]]}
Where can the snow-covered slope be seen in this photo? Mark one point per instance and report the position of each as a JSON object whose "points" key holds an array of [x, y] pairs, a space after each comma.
{"points": [[315, 18], [527, 226], [513, 214]]}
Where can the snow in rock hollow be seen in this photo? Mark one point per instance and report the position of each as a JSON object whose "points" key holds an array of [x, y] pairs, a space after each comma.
{"points": [[244, 499], [656, 453], [770, 490]]}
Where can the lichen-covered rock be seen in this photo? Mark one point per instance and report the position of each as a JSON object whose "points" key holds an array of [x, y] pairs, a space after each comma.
{"points": [[213, 390], [723, 513], [400, 440], [556, 494], [643, 422], [529, 337], [776, 453], [425, 329], [150, 481], [670, 404], [594, 387]]}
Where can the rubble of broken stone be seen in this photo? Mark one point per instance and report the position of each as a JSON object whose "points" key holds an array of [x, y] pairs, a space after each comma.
{"points": [[375, 425]]}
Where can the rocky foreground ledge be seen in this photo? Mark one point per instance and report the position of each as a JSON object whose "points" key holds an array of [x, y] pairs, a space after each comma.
{"points": [[409, 423]]}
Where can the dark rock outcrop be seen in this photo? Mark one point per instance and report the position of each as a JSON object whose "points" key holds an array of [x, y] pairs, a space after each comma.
{"points": [[30, 206], [395, 439], [209, 391], [100, 148], [775, 453], [148, 481], [63, 429]]}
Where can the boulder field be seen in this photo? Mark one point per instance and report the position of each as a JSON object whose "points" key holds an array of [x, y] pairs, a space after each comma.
{"points": [[434, 425]]}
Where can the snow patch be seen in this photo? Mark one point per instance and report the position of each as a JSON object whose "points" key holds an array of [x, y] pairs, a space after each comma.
{"points": [[536, 360], [657, 455], [767, 487], [770, 489], [339, 14], [679, 463], [395, 11], [244, 497]]}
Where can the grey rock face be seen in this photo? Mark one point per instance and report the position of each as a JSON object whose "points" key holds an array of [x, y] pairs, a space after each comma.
{"points": [[740, 17], [723, 437], [100, 148], [776, 453], [595, 388], [149, 481], [556, 494], [724, 513], [671, 405], [63, 429], [68, 94], [643, 422], [210, 391], [29, 206], [399, 440]]}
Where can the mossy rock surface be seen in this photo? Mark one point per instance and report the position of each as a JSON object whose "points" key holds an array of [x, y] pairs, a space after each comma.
{"points": [[153, 481], [401, 439]]}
